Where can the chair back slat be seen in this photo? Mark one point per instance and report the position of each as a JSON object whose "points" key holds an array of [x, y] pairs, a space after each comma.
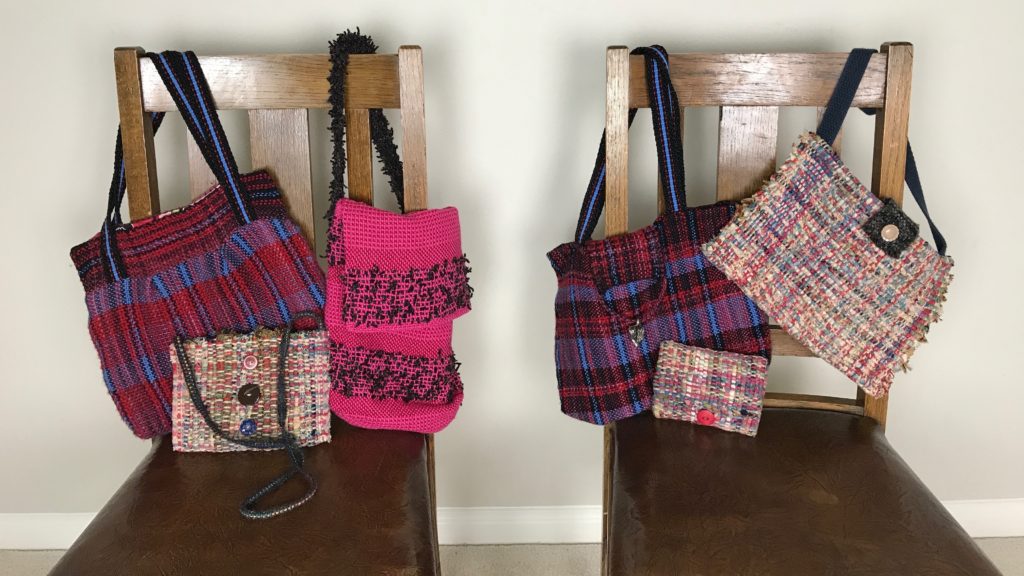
{"points": [[200, 177], [616, 204], [136, 136], [414, 129], [280, 144], [747, 137], [359, 154]]}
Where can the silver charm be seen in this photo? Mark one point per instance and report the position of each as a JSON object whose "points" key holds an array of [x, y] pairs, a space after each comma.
{"points": [[636, 333]]}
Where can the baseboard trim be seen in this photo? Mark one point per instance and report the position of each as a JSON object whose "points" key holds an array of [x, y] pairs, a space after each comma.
{"points": [[503, 525]]}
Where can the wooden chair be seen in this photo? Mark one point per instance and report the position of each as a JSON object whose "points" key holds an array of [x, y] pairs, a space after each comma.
{"points": [[375, 510], [820, 490]]}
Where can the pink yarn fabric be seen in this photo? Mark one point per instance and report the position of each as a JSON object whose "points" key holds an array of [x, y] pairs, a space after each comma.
{"points": [[394, 284]]}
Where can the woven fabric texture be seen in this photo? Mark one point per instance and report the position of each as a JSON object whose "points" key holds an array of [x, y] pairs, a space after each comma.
{"points": [[222, 369], [654, 283], [800, 250], [394, 285], [192, 272], [711, 388]]}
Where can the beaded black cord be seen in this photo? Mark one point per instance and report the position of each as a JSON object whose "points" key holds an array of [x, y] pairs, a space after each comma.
{"points": [[285, 441], [383, 137]]}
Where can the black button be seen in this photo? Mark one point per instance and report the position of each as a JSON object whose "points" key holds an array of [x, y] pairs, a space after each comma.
{"points": [[249, 394]]}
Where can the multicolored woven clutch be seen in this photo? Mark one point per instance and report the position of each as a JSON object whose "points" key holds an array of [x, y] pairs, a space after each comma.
{"points": [[237, 379], [710, 387], [845, 273]]}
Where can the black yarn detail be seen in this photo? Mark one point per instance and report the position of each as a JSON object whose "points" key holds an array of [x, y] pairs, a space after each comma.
{"points": [[381, 133], [888, 214], [381, 375], [376, 297]]}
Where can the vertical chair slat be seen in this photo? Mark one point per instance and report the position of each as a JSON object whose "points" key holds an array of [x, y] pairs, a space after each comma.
{"points": [[137, 136], [890, 157], [280, 144], [200, 177], [414, 141], [616, 203], [747, 139], [359, 149]]}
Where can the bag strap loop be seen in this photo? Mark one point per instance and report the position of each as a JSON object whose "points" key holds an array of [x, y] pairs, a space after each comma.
{"points": [[184, 79], [381, 134], [286, 440], [665, 113], [835, 113]]}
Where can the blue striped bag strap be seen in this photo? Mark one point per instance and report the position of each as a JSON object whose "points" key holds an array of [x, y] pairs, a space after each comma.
{"points": [[111, 258], [665, 112], [184, 79], [835, 113]]}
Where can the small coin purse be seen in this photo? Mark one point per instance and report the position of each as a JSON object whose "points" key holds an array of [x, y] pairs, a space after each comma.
{"points": [[710, 387], [237, 379]]}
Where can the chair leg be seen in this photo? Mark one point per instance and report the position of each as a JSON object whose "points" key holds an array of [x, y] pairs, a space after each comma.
{"points": [[609, 462], [433, 502]]}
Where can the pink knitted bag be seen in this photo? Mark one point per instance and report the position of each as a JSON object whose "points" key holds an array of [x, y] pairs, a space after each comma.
{"points": [[395, 282]]}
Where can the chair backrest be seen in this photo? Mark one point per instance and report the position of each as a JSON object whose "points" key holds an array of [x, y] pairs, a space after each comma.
{"points": [[749, 89], [278, 90]]}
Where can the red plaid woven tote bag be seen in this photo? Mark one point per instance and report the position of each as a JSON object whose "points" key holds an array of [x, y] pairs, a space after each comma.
{"points": [[845, 273], [230, 260], [619, 298]]}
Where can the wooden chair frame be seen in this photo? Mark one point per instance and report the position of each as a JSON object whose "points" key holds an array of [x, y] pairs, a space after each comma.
{"points": [[278, 90], [749, 89]]}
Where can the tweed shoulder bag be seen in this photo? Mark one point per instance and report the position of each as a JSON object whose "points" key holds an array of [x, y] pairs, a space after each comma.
{"points": [[845, 273], [620, 297], [206, 368], [231, 260], [395, 283]]}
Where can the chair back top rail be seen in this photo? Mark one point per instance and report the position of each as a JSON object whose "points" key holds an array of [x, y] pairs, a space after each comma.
{"points": [[278, 90]]}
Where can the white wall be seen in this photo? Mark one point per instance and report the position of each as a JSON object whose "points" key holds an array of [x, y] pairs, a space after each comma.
{"points": [[514, 109]]}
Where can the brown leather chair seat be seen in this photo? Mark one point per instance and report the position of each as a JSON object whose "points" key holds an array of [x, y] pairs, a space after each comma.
{"points": [[815, 493], [178, 514]]}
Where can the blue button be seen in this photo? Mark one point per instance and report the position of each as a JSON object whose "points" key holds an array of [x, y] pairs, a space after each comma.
{"points": [[248, 427]]}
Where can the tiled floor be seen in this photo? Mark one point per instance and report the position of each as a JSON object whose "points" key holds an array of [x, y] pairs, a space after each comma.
{"points": [[534, 560]]}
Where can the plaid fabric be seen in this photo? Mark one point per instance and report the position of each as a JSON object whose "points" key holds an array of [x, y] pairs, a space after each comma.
{"points": [[653, 283], [193, 272], [801, 250], [710, 388], [220, 369]]}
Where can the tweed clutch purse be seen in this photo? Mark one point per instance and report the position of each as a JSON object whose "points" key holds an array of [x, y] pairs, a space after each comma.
{"points": [[710, 387], [844, 272], [236, 378]]}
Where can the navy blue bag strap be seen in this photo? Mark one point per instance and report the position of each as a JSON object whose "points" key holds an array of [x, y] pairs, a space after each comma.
{"points": [[835, 113], [665, 113], [184, 79]]}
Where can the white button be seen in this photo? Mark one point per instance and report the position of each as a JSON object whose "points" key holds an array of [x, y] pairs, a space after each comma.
{"points": [[250, 362], [890, 232]]}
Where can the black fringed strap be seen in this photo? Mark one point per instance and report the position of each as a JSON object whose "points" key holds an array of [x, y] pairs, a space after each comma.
{"points": [[381, 134]]}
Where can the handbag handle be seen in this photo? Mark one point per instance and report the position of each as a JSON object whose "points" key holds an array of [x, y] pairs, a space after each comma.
{"points": [[381, 134], [286, 440], [835, 113], [669, 141], [184, 79]]}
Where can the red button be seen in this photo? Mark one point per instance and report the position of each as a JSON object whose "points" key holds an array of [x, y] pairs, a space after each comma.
{"points": [[705, 417], [250, 362]]}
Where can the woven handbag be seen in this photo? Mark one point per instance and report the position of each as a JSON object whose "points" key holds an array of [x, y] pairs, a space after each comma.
{"points": [[230, 260], [269, 385], [710, 387], [619, 298], [395, 283], [235, 379], [845, 273]]}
